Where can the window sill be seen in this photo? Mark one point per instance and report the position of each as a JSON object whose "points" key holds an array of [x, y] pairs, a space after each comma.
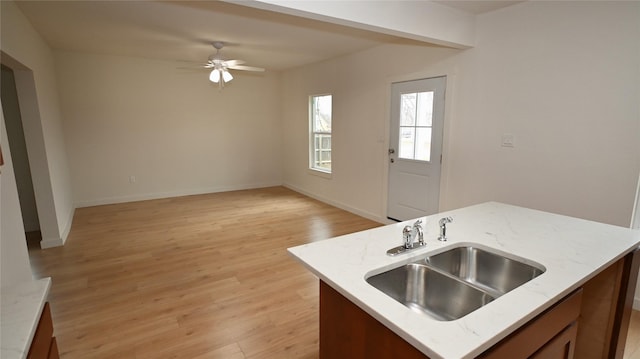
{"points": [[319, 173]]}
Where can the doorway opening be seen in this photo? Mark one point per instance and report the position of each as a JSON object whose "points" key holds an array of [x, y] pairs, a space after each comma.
{"points": [[20, 157], [36, 160]]}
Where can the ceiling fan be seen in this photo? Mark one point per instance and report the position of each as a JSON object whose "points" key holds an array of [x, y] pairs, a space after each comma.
{"points": [[220, 67]]}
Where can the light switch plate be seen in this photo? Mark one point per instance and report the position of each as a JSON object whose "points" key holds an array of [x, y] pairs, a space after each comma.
{"points": [[508, 140]]}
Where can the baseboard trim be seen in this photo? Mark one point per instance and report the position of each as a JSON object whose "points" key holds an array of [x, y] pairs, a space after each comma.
{"points": [[51, 242], [67, 227], [338, 204], [160, 195]]}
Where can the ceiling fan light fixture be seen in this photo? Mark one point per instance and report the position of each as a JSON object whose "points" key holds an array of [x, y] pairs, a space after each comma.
{"points": [[215, 76], [220, 73], [226, 76]]}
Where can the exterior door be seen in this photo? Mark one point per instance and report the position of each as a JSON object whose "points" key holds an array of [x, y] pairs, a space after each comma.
{"points": [[415, 148]]}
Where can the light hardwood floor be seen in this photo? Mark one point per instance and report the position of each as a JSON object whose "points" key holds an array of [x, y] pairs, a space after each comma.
{"points": [[203, 276], [632, 349]]}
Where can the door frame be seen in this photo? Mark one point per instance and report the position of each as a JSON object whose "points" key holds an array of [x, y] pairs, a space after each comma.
{"points": [[447, 130], [52, 236]]}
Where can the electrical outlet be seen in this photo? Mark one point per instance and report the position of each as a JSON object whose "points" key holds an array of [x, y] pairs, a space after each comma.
{"points": [[508, 140], [132, 179]]}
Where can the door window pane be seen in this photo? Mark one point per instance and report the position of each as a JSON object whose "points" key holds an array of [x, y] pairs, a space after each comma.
{"points": [[407, 141], [423, 144], [408, 109], [416, 112], [425, 108]]}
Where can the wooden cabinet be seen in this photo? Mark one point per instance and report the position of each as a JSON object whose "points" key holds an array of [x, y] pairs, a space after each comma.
{"points": [[551, 334], [606, 310], [562, 346], [44, 345], [591, 322], [347, 331]]}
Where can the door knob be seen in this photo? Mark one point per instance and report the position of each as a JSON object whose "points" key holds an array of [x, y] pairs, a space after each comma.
{"points": [[392, 151]]}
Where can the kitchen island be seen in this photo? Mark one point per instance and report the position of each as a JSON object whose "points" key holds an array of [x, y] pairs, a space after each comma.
{"points": [[21, 309], [589, 266]]}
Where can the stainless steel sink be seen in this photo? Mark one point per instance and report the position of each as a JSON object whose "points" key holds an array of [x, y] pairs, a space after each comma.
{"points": [[425, 290], [449, 285], [490, 271]]}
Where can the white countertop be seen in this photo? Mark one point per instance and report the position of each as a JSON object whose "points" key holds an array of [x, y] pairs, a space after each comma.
{"points": [[572, 251], [20, 310]]}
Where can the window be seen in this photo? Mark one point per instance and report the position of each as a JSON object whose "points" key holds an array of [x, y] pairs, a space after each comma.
{"points": [[320, 133], [416, 112]]}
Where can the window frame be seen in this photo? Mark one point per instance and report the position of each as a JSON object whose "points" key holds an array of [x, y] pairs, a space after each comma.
{"points": [[313, 169]]}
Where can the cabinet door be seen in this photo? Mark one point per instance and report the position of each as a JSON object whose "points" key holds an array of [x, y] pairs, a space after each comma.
{"points": [[539, 332], [561, 346], [348, 332], [42, 337], [53, 350]]}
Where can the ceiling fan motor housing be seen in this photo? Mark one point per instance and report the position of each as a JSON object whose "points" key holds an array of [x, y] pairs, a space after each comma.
{"points": [[218, 45]]}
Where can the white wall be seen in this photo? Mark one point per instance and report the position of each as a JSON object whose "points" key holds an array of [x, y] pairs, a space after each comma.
{"points": [[14, 259], [360, 87], [171, 128], [32, 61], [563, 77], [420, 20]]}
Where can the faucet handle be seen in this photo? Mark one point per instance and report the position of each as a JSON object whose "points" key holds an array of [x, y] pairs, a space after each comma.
{"points": [[417, 223]]}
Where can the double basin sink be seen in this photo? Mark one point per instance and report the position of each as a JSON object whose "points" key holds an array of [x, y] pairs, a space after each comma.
{"points": [[449, 285]]}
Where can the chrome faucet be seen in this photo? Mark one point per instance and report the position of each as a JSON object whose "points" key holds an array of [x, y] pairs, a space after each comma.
{"points": [[407, 237], [417, 227], [443, 228], [410, 233]]}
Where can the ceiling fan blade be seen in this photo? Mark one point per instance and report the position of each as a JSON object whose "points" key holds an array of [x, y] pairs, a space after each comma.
{"points": [[246, 68], [234, 62], [195, 67]]}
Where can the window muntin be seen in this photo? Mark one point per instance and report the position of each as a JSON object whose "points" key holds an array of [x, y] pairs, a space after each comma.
{"points": [[416, 113], [320, 131]]}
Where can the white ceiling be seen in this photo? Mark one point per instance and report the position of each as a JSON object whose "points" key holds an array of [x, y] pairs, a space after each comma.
{"points": [[477, 6], [184, 31]]}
